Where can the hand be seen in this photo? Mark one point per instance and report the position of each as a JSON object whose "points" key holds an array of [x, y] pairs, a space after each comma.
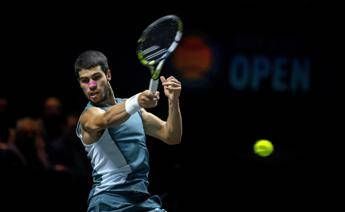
{"points": [[147, 99], [172, 88]]}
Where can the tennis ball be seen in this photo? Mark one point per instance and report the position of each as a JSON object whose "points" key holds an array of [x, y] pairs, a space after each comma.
{"points": [[263, 147]]}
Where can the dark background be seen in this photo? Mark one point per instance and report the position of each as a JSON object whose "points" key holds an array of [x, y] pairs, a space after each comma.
{"points": [[214, 167]]}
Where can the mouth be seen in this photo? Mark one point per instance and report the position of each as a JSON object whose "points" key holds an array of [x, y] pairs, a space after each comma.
{"points": [[93, 95]]}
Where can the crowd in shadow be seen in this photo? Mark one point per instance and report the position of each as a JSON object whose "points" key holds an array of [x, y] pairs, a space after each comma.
{"points": [[43, 164]]}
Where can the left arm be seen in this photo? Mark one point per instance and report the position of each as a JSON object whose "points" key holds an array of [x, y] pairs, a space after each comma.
{"points": [[169, 131]]}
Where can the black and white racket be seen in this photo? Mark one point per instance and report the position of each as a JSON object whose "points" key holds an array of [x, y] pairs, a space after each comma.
{"points": [[156, 43]]}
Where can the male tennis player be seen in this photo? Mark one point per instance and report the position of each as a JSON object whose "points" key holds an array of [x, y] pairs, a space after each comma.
{"points": [[113, 133]]}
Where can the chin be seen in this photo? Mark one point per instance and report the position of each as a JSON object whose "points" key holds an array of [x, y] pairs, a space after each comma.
{"points": [[95, 101]]}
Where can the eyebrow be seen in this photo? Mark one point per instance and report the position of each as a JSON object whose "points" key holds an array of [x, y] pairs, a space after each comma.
{"points": [[90, 76]]}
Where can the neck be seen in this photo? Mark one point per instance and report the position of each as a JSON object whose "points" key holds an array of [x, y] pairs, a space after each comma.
{"points": [[109, 98]]}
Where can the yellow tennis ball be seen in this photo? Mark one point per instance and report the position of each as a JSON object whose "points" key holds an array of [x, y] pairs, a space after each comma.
{"points": [[263, 147]]}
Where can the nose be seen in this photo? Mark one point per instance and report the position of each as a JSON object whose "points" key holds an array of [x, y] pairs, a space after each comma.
{"points": [[92, 84]]}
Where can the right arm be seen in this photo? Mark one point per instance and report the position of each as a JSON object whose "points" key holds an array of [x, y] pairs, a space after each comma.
{"points": [[94, 120]]}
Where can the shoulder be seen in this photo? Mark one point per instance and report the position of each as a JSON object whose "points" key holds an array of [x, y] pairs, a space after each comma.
{"points": [[89, 112]]}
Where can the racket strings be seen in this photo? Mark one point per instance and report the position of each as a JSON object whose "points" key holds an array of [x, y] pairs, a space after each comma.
{"points": [[157, 54], [159, 40]]}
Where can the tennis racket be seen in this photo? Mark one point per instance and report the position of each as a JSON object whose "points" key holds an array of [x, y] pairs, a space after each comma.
{"points": [[156, 43]]}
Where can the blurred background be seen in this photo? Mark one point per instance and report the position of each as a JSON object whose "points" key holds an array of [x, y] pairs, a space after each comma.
{"points": [[250, 71]]}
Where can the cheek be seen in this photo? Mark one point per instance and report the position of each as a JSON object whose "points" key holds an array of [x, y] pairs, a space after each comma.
{"points": [[102, 85], [84, 88]]}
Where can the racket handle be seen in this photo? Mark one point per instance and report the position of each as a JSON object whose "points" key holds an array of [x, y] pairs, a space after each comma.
{"points": [[153, 85]]}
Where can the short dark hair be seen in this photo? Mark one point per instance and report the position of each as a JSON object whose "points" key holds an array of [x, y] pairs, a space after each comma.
{"points": [[90, 59]]}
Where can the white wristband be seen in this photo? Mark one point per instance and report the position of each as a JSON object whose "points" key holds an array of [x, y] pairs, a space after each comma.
{"points": [[132, 104]]}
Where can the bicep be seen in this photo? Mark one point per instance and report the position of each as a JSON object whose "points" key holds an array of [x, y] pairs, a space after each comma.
{"points": [[96, 119], [90, 126], [153, 125], [92, 120]]}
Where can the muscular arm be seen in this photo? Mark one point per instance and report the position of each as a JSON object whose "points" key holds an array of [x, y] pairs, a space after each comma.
{"points": [[95, 120], [169, 131]]}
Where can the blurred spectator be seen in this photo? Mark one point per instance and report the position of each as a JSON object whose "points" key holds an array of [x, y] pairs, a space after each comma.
{"points": [[52, 118], [30, 143], [60, 138], [9, 160]]}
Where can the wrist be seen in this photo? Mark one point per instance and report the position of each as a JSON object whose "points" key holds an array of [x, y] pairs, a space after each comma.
{"points": [[132, 104], [174, 102]]}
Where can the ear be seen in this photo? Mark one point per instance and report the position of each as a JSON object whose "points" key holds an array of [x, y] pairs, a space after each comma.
{"points": [[108, 75]]}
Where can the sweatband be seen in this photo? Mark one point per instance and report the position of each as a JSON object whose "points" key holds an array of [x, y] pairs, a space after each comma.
{"points": [[132, 104]]}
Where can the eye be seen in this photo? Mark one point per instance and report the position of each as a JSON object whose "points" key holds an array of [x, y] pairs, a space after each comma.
{"points": [[84, 80], [96, 77]]}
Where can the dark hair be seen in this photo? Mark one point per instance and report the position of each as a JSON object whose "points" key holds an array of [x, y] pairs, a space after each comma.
{"points": [[90, 59]]}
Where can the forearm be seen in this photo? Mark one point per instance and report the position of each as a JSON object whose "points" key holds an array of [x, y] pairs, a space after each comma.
{"points": [[174, 123], [117, 114]]}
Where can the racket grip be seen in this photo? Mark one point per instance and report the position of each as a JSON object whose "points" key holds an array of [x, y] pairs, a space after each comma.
{"points": [[153, 85]]}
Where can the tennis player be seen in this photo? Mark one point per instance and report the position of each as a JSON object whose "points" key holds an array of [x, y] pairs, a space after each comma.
{"points": [[113, 131]]}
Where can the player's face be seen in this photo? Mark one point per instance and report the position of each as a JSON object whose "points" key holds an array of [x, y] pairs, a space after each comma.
{"points": [[94, 83]]}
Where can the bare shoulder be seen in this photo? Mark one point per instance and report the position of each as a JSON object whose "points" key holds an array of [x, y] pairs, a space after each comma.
{"points": [[90, 132], [88, 114]]}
